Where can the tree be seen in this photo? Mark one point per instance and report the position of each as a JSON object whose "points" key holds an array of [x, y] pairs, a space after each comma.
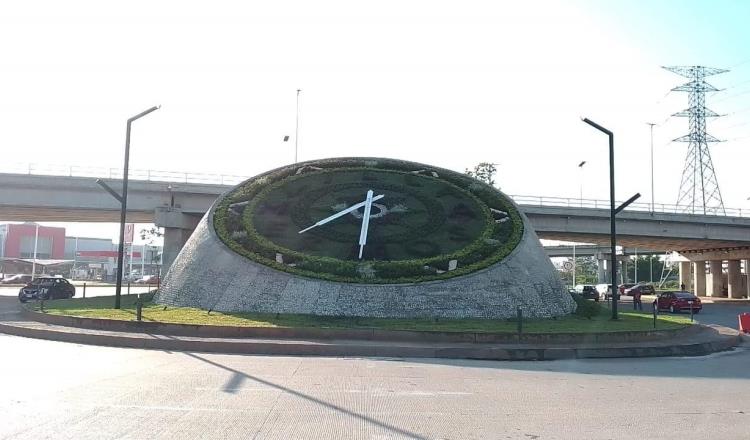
{"points": [[586, 271], [149, 236], [484, 171]]}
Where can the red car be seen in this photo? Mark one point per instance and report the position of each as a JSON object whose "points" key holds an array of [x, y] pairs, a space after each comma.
{"points": [[677, 302]]}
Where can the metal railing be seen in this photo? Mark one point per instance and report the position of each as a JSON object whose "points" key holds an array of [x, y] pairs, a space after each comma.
{"points": [[228, 179], [572, 202], [116, 173]]}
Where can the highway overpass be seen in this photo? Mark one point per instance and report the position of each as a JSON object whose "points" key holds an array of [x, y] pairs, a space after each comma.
{"points": [[178, 206]]}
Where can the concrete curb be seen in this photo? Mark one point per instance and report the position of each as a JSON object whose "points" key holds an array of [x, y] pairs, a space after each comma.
{"points": [[216, 331], [723, 340]]}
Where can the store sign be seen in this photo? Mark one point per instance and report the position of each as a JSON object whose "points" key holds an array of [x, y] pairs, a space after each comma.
{"points": [[129, 232]]}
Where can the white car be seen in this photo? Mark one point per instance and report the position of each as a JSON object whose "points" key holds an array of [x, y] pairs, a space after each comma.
{"points": [[604, 290]]}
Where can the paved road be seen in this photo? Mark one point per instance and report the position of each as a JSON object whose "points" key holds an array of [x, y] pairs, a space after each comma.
{"points": [[721, 313], [69, 391], [90, 290]]}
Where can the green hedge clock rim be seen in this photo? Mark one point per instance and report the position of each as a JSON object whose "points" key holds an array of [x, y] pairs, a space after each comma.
{"points": [[232, 222]]}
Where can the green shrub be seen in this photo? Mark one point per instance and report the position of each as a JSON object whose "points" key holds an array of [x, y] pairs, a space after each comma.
{"points": [[586, 308]]}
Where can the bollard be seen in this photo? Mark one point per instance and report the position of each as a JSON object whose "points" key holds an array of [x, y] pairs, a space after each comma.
{"points": [[656, 312], [128, 287], [41, 305], [519, 320], [84, 290], [138, 308]]}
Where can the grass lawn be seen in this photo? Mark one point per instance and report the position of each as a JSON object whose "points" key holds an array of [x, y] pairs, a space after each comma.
{"points": [[102, 307]]}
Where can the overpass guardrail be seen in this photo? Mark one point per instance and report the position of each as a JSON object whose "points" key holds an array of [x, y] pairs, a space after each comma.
{"points": [[663, 208], [116, 173], [229, 179]]}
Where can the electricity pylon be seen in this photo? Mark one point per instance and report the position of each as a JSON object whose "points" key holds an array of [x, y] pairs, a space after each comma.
{"points": [[699, 188]]}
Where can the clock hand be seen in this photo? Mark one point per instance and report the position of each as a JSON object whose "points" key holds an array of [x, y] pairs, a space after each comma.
{"points": [[365, 223], [341, 213]]}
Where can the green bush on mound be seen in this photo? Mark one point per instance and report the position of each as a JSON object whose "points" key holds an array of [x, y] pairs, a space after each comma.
{"points": [[586, 308]]}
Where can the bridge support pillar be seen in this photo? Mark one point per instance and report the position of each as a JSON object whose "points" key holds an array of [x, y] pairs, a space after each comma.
{"points": [[685, 277], [747, 278], [734, 279], [601, 274], [715, 282], [699, 278], [177, 229]]}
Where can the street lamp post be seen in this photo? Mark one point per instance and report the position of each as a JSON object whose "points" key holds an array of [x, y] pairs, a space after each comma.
{"points": [[296, 128], [612, 231], [123, 199], [574, 265], [612, 211], [36, 241], [651, 124], [580, 167]]}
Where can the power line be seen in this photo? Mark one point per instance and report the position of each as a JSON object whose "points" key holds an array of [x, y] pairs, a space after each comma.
{"points": [[744, 92], [739, 64]]}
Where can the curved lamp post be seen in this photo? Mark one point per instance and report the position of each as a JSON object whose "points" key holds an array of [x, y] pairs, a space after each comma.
{"points": [[123, 199], [612, 212]]}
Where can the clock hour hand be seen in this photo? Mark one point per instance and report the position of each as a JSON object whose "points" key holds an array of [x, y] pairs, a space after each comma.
{"points": [[341, 213], [365, 223]]}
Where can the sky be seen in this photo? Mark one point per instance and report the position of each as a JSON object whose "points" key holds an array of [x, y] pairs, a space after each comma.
{"points": [[445, 83]]}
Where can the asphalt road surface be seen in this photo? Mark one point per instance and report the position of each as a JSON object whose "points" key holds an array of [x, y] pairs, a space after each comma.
{"points": [[90, 290], [69, 391]]}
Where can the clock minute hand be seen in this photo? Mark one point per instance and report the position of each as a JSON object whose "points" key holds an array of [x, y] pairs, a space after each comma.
{"points": [[365, 223], [341, 213]]}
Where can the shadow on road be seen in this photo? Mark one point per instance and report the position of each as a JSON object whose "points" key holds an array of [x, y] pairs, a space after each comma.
{"points": [[238, 377]]}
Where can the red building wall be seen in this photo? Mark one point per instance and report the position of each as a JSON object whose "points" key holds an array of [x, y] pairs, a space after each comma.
{"points": [[15, 232]]}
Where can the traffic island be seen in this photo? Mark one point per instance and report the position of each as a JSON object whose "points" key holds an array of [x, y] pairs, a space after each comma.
{"points": [[199, 330]]}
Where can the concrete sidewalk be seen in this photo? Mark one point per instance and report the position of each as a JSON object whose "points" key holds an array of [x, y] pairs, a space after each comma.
{"points": [[701, 341]]}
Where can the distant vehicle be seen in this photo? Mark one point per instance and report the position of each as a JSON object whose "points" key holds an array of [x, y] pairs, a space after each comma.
{"points": [[16, 279], [623, 287], [587, 291], [677, 302], [645, 289], [46, 288], [148, 279], [604, 290], [131, 276]]}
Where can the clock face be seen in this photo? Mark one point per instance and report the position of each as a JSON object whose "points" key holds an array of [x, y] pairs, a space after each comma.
{"points": [[424, 222], [419, 216]]}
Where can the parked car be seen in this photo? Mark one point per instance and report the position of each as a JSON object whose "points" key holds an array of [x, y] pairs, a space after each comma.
{"points": [[16, 279], [587, 291], [148, 279], [643, 288], [46, 288], [677, 302], [604, 290], [623, 287]]}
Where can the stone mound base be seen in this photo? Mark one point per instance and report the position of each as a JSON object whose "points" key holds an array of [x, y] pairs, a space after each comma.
{"points": [[209, 275]]}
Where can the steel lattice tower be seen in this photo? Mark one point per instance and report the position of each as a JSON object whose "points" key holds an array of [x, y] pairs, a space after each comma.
{"points": [[699, 188]]}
